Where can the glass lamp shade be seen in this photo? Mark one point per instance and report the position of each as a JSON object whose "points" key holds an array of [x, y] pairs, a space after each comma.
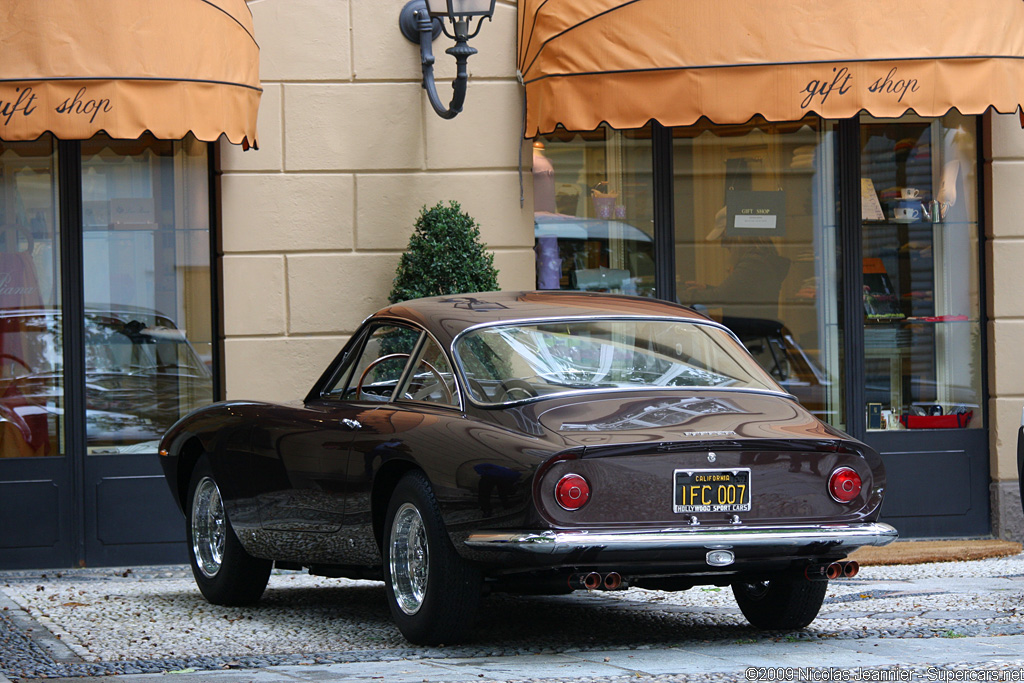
{"points": [[460, 9]]}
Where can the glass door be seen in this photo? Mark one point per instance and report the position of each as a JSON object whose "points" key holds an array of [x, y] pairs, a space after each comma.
{"points": [[36, 482], [593, 211], [148, 336], [106, 339], [923, 393]]}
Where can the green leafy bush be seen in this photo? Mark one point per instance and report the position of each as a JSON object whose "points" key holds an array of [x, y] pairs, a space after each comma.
{"points": [[445, 256]]}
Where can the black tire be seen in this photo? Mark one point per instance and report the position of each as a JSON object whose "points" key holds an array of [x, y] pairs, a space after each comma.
{"points": [[224, 572], [780, 604], [433, 601]]}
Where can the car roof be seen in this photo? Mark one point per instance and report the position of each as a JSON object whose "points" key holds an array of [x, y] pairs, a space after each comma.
{"points": [[447, 316]]}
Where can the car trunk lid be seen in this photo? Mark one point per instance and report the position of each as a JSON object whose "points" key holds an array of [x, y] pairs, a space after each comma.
{"points": [[677, 421]]}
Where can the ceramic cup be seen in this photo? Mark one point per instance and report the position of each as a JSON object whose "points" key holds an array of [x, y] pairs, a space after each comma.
{"points": [[906, 213], [910, 193]]}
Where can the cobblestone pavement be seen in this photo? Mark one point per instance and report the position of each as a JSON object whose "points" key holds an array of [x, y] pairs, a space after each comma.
{"points": [[152, 620]]}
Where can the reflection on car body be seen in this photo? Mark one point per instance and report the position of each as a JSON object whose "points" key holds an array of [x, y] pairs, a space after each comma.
{"points": [[1020, 459], [536, 441]]}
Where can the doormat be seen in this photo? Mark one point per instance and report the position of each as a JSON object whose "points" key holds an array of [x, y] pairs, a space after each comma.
{"points": [[919, 552]]}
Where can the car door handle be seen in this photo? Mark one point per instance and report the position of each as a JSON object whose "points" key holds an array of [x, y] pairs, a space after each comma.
{"points": [[352, 424]]}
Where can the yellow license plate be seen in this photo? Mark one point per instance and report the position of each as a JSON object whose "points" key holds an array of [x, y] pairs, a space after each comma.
{"points": [[711, 490]]}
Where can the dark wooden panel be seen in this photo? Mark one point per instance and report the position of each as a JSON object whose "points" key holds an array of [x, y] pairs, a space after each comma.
{"points": [[913, 493], [136, 509], [31, 512], [937, 482], [130, 516]]}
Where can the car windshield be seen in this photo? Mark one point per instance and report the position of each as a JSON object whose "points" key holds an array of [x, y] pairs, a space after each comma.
{"points": [[508, 363]]}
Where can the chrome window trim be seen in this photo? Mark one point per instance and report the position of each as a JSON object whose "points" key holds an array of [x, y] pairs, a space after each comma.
{"points": [[592, 318], [364, 332], [396, 396], [614, 390]]}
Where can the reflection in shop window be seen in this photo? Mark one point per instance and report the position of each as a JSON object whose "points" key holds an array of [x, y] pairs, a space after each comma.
{"points": [[148, 331], [146, 243], [31, 360], [756, 247], [593, 220]]}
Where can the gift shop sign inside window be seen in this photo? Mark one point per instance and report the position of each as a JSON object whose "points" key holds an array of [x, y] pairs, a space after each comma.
{"points": [[751, 213]]}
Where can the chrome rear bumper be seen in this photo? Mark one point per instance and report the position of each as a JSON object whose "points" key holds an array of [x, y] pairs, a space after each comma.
{"points": [[695, 538]]}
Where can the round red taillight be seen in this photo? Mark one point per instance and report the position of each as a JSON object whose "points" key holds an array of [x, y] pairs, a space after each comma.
{"points": [[572, 492], [844, 484]]}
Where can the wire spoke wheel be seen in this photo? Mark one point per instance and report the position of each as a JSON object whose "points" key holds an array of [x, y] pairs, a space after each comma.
{"points": [[225, 573], [433, 593], [410, 558], [208, 527]]}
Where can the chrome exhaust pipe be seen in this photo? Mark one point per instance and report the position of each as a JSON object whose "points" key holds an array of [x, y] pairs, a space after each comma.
{"points": [[592, 581], [823, 572], [588, 581], [850, 569]]}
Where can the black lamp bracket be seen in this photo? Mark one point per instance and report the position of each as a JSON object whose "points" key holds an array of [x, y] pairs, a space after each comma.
{"points": [[418, 27]]}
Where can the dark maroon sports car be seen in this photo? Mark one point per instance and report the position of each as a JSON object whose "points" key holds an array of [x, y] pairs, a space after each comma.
{"points": [[532, 442]]}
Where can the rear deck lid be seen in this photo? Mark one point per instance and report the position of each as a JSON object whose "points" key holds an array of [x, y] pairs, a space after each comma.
{"points": [[682, 417]]}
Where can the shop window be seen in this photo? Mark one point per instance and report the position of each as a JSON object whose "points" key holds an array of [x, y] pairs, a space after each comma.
{"points": [[148, 323], [31, 360], [594, 227], [146, 286], [922, 306], [756, 247]]}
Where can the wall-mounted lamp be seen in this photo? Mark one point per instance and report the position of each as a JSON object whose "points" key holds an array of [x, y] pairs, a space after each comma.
{"points": [[423, 20]]}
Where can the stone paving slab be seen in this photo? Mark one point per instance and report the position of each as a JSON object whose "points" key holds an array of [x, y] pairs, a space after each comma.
{"points": [[107, 625], [730, 660]]}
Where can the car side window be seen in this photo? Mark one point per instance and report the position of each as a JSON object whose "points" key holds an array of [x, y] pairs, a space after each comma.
{"points": [[375, 374], [432, 379]]}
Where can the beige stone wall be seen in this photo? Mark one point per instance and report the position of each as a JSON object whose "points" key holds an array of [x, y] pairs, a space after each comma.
{"points": [[1004, 156], [313, 222]]}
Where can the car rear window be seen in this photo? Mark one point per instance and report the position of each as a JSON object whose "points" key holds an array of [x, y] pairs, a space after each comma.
{"points": [[515, 362]]}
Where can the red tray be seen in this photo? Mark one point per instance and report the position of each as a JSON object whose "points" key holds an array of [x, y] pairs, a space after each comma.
{"points": [[955, 421]]}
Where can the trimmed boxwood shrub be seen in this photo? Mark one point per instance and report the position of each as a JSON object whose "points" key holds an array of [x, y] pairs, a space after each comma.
{"points": [[445, 256]]}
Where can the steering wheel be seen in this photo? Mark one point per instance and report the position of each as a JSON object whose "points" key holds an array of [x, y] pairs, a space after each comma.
{"points": [[374, 363], [426, 391], [515, 386]]}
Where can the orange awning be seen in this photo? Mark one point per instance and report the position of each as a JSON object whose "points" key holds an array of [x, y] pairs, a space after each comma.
{"points": [[78, 67], [626, 62]]}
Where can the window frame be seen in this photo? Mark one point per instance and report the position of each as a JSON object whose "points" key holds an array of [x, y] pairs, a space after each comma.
{"points": [[327, 389], [586, 392], [414, 361]]}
